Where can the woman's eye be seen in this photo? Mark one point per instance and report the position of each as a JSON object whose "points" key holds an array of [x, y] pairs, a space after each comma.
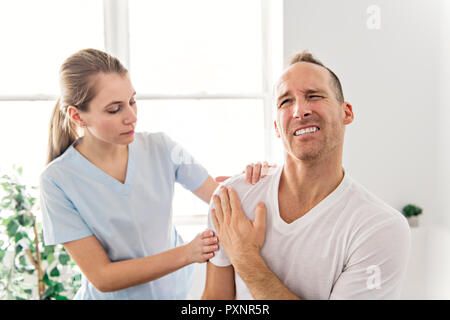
{"points": [[132, 102], [115, 110]]}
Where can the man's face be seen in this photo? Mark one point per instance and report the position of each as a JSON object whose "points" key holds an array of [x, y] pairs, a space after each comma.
{"points": [[310, 120], [112, 114]]}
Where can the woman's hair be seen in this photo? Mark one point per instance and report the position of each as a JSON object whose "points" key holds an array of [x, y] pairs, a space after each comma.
{"points": [[77, 75]]}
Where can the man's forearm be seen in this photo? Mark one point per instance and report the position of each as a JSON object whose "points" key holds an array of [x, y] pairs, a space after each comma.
{"points": [[261, 281]]}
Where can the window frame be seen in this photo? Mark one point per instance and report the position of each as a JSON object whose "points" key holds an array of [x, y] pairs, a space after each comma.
{"points": [[116, 31]]}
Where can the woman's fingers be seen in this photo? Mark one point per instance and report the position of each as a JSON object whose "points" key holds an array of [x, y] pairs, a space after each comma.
{"points": [[209, 241], [206, 234], [249, 173], [212, 248], [256, 172]]}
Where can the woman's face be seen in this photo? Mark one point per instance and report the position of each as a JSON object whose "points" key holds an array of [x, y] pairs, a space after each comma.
{"points": [[111, 115]]}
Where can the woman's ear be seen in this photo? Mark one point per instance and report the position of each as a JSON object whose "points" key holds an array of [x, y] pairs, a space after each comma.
{"points": [[74, 115]]}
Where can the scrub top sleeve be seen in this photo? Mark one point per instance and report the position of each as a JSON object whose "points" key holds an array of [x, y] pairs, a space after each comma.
{"points": [[188, 172], [60, 219]]}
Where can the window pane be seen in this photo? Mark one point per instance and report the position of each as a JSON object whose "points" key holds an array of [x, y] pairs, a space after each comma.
{"points": [[207, 46], [223, 135], [24, 136], [37, 36]]}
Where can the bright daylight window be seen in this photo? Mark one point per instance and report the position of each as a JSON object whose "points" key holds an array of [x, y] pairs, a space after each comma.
{"points": [[196, 66]]}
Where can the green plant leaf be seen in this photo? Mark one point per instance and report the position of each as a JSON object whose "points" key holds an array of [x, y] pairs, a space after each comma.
{"points": [[23, 261], [55, 272], [18, 236], [18, 248], [58, 287], [47, 281], [50, 258], [64, 258], [76, 278], [47, 294], [12, 228]]}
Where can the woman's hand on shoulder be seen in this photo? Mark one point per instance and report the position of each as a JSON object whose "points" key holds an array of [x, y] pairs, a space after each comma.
{"points": [[253, 172]]}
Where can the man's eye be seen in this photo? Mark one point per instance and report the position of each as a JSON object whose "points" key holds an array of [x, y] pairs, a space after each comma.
{"points": [[132, 102], [285, 101], [314, 97]]}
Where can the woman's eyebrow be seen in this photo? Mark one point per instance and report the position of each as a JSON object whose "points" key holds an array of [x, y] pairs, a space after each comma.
{"points": [[116, 102]]}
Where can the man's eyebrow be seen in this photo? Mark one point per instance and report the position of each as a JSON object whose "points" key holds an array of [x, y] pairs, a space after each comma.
{"points": [[311, 91], [287, 93], [116, 102]]}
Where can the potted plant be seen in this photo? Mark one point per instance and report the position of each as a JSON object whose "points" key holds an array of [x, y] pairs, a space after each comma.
{"points": [[412, 212], [28, 269]]}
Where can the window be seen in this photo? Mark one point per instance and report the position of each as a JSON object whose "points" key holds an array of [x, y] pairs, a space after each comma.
{"points": [[36, 38], [199, 68]]}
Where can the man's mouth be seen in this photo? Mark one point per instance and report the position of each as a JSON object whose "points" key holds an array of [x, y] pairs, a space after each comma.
{"points": [[307, 130]]}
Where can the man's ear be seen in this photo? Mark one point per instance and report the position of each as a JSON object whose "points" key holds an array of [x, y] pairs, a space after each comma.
{"points": [[277, 131], [348, 110]]}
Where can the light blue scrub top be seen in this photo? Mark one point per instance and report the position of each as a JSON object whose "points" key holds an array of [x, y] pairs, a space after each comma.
{"points": [[131, 220]]}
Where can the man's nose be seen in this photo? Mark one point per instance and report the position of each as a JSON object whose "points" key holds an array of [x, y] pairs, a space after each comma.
{"points": [[301, 110]]}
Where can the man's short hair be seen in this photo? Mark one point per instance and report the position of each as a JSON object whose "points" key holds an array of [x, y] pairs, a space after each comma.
{"points": [[305, 56]]}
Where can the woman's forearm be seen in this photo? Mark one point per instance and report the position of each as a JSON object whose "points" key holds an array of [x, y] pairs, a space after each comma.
{"points": [[124, 274]]}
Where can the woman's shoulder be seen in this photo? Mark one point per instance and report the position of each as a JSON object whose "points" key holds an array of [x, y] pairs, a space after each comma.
{"points": [[153, 140], [56, 166]]}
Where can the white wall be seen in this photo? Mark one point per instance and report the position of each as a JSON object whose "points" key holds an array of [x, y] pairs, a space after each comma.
{"points": [[390, 78], [397, 79]]}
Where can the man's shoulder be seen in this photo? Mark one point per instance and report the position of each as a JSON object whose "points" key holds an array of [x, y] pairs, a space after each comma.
{"points": [[240, 185], [370, 208]]}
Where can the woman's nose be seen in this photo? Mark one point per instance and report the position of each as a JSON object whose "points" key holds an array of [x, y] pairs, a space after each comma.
{"points": [[131, 115]]}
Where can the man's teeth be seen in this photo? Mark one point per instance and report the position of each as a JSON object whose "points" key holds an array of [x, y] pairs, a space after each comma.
{"points": [[305, 131]]}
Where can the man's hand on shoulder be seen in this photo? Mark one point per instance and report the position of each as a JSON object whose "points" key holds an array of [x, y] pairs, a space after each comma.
{"points": [[240, 237]]}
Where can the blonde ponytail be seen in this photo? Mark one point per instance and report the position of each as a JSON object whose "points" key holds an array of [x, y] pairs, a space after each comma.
{"points": [[62, 133], [77, 81]]}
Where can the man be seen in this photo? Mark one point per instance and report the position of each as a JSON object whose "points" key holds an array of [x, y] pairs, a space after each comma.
{"points": [[308, 230]]}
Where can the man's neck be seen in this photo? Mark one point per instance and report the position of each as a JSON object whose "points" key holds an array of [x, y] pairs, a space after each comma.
{"points": [[309, 182]]}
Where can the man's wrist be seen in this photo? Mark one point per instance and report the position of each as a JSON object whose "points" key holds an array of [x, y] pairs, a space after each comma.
{"points": [[247, 264]]}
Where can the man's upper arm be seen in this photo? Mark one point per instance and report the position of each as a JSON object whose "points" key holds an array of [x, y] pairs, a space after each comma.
{"points": [[219, 283], [377, 263]]}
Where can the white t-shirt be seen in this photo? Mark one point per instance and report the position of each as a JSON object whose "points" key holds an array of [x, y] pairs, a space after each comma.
{"points": [[351, 245]]}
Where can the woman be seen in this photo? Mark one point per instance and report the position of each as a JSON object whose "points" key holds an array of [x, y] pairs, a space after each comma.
{"points": [[106, 193]]}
